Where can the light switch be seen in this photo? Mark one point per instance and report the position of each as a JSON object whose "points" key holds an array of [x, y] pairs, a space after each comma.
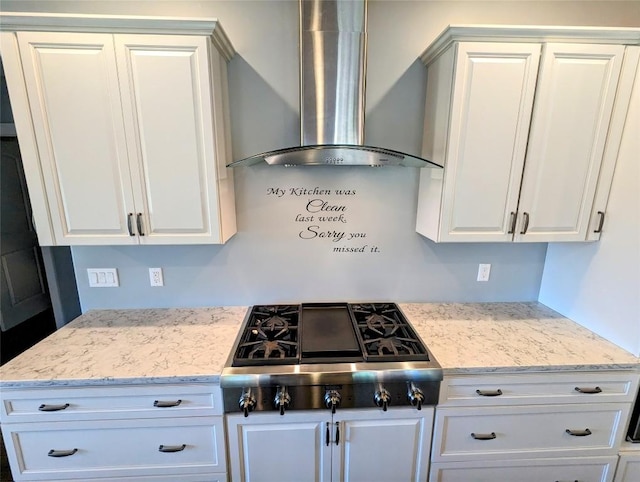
{"points": [[103, 277]]}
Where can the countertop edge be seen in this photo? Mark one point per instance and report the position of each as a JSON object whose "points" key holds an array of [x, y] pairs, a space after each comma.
{"points": [[105, 382], [540, 369]]}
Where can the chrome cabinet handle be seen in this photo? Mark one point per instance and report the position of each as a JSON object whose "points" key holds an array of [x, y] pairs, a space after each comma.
{"points": [[489, 393], [588, 390], [600, 223], [526, 223], [52, 408], [166, 403], [171, 448], [61, 453], [130, 224], [578, 433], [139, 224], [513, 223], [483, 436]]}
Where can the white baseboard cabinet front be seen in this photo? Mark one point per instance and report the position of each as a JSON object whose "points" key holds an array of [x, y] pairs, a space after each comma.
{"points": [[583, 469]]}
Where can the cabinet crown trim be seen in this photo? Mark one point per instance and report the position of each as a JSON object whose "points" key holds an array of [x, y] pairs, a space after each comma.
{"points": [[528, 33], [119, 24]]}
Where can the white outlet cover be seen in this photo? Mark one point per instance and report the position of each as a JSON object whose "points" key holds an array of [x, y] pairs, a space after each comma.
{"points": [[155, 277]]}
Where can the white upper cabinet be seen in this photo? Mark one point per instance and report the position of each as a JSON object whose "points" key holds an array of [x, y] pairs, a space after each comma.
{"points": [[130, 132], [521, 128]]}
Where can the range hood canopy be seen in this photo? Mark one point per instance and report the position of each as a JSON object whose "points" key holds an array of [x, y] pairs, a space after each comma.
{"points": [[332, 92]]}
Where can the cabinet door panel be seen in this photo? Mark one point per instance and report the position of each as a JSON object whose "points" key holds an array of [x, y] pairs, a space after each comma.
{"points": [[267, 446], [491, 109], [570, 122], [166, 90], [72, 86], [381, 446]]}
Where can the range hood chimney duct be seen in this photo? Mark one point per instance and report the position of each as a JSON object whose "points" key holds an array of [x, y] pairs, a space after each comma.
{"points": [[333, 59]]}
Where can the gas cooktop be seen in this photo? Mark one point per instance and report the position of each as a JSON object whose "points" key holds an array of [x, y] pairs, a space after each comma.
{"points": [[327, 333], [325, 355]]}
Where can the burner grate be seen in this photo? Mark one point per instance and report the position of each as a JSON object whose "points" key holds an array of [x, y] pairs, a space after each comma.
{"points": [[386, 334], [270, 337]]}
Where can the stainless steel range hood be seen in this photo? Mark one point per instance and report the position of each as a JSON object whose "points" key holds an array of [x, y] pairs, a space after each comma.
{"points": [[332, 92]]}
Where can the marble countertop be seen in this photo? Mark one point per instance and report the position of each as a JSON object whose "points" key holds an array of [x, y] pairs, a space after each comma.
{"points": [[179, 345], [511, 337], [130, 346]]}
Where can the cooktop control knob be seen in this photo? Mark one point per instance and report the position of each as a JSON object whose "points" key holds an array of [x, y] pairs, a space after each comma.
{"points": [[415, 395], [332, 400], [247, 402], [282, 400], [382, 398]]}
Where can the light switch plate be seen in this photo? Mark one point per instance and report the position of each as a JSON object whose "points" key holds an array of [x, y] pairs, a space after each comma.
{"points": [[103, 277]]}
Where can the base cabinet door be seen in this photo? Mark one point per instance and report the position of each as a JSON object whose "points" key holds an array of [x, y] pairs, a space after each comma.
{"points": [[628, 467], [364, 445], [588, 469], [264, 447], [377, 446]]}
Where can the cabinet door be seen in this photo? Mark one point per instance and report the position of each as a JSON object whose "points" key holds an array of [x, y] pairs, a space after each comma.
{"points": [[72, 85], [376, 446], [490, 112], [167, 93], [264, 447], [574, 100]]}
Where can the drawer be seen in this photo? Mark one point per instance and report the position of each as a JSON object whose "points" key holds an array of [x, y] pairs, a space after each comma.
{"points": [[108, 402], [521, 389], [116, 448], [591, 469], [529, 431]]}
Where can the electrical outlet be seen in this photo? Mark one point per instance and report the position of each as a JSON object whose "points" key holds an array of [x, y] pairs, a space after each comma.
{"points": [[155, 277], [483, 272], [103, 277]]}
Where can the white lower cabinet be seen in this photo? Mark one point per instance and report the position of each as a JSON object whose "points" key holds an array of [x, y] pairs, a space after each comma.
{"points": [[137, 433], [629, 464], [531, 427], [588, 469], [365, 445]]}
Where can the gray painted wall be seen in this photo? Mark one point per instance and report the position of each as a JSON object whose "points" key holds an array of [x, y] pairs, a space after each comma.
{"points": [[268, 261]]}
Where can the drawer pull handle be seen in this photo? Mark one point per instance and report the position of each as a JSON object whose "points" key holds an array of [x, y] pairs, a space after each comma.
{"points": [[61, 453], [489, 393], [171, 448], [579, 433], [570, 481], [165, 404], [52, 408], [483, 436], [589, 390]]}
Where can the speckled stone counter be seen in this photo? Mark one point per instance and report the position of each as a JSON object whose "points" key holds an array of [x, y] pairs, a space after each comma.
{"points": [[192, 345], [511, 337], [130, 346]]}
